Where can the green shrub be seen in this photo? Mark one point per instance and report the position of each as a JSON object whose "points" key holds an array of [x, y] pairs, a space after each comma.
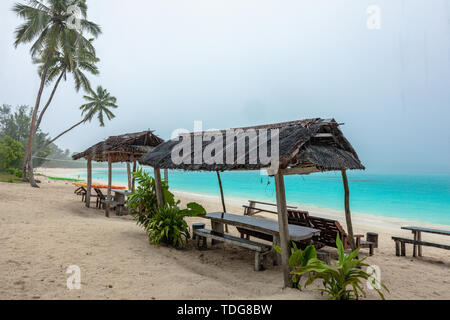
{"points": [[346, 272], [164, 224], [143, 199], [10, 171], [11, 153], [298, 258], [18, 173], [168, 226]]}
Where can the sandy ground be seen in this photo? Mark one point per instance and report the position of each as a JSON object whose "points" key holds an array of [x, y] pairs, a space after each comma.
{"points": [[44, 231]]}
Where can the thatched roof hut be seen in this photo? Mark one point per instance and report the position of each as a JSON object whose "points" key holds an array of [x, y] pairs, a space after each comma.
{"points": [[301, 147], [127, 148], [316, 144], [124, 148]]}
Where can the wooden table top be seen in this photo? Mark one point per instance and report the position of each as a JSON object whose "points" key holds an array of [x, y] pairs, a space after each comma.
{"points": [[296, 233], [435, 231], [124, 192]]}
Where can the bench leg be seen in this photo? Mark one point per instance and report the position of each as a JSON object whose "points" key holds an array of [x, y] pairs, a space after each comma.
{"points": [[397, 248], [415, 246], [257, 261], [403, 249], [419, 238], [197, 242], [371, 249], [218, 228], [201, 242]]}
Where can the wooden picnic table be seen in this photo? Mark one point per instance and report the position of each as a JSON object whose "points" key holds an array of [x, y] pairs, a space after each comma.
{"points": [[296, 233], [417, 232], [119, 197]]}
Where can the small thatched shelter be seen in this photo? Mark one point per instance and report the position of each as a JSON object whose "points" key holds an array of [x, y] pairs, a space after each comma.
{"points": [[127, 148], [304, 147]]}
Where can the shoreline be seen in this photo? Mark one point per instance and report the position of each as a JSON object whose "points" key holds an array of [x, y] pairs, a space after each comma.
{"points": [[46, 230], [358, 218]]}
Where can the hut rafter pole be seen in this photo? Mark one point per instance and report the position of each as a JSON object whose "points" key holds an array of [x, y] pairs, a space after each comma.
{"points": [[133, 182], [224, 209], [348, 215], [283, 227], [108, 197], [166, 175], [89, 182], [159, 194], [129, 175], [221, 194]]}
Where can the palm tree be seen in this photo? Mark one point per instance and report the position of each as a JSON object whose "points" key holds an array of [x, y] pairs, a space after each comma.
{"points": [[99, 103], [59, 66], [46, 25]]}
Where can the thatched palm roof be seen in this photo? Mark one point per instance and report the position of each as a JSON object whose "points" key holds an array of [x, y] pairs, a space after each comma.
{"points": [[123, 148], [317, 144]]}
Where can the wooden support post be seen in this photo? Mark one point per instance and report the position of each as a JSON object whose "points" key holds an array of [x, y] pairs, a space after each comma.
{"points": [[159, 195], [414, 245], [166, 175], [89, 182], [222, 198], [108, 197], [283, 227], [129, 176], [221, 194], [250, 209], [419, 238], [134, 180], [348, 215]]}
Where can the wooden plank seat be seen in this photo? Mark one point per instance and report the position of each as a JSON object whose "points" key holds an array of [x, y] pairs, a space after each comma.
{"points": [[261, 250], [297, 217], [329, 229], [81, 191], [101, 198], [251, 209], [400, 245]]}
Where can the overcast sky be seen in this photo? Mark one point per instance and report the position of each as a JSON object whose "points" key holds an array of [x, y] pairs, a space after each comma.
{"points": [[234, 63]]}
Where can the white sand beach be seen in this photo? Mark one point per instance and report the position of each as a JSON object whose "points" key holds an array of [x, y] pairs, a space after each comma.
{"points": [[43, 231]]}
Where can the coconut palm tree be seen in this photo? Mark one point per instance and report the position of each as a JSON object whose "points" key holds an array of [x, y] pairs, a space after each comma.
{"points": [[60, 65], [99, 104], [46, 26]]}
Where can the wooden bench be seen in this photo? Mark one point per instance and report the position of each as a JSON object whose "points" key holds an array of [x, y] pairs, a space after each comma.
{"points": [[261, 250], [417, 233], [329, 229], [400, 245], [251, 209]]}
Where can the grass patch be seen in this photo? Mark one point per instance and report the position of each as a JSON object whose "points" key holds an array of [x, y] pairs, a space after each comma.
{"points": [[9, 178]]}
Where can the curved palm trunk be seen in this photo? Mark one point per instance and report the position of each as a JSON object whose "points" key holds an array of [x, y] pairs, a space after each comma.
{"points": [[348, 215], [38, 123], [59, 136], [41, 114], [29, 150]]}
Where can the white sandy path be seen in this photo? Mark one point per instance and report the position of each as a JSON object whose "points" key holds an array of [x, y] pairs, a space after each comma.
{"points": [[45, 230]]}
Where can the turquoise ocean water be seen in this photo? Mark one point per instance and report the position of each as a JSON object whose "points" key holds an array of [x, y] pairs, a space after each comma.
{"points": [[413, 197]]}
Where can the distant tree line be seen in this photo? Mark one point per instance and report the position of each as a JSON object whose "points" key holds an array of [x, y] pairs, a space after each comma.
{"points": [[59, 48], [14, 135]]}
